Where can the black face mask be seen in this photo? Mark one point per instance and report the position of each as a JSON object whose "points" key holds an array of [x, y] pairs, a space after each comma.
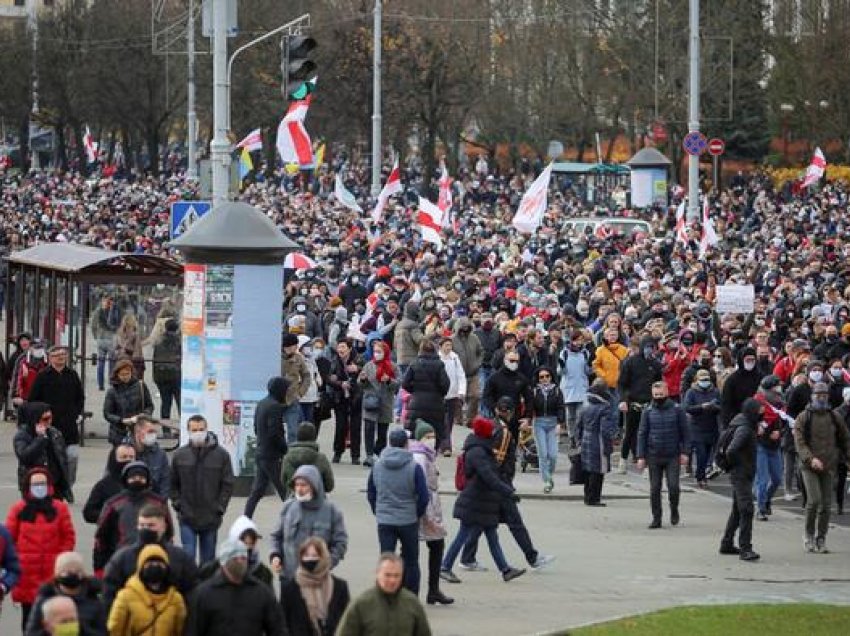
{"points": [[310, 564], [155, 576], [73, 580], [147, 536], [135, 486], [659, 401]]}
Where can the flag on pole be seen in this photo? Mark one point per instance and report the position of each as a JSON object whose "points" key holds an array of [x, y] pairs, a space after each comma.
{"points": [[430, 219], [530, 212], [444, 200], [391, 187], [293, 142], [253, 141], [345, 197], [709, 236], [90, 145], [816, 169], [681, 230], [245, 163]]}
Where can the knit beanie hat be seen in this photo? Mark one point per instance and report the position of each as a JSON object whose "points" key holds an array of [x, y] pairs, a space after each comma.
{"points": [[231, 549], [423, 428], [483, 427]]}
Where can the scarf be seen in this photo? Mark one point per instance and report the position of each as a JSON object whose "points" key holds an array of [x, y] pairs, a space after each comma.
{"points": [[384, 367], [316, 589], [35, 506]]}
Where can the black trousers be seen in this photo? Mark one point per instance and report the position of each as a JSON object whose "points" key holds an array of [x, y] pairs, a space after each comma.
{"points": [[593, 487], [741, 517], [658, 468], [435, 560], [840, 485], [348, 423], [632, 423], [510, 516], [268, 470]]}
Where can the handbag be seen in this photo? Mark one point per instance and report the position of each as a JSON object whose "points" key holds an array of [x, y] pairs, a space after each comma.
{"points": [[577, 474], [372, 402]]}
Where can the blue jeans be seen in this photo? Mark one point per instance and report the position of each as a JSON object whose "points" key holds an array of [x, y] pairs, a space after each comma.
{"points": [[307, 409], [704, 452], [547, 445], [204, 539], [484, 374], [469, 533], [408, 537], [292, 417], [402, 371], [104, 355], [768, 474]]}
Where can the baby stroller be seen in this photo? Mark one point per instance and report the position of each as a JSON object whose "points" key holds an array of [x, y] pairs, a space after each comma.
{"points": [[527, 448]]}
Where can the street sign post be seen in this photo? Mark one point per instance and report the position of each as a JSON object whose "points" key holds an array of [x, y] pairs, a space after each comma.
{"points": [[716, 147], [694, 143], [184, 213]]}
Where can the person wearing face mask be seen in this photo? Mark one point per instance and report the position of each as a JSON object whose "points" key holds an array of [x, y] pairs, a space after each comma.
{"points": [[29, 365], [768, 452], [821, 438], [270, 435], [148, 450], [126, 399], [310, 399], [307, 513], [149, 603], [468, 348], [380, 380], [245, 530], [71, 581], [638, 372], [41, 528], [110, 484], [293, 369], [234, 602], [702, 405], [491, 342], [200, 503], [353, 291], [312, 325], [315, 600], [663, 446], [38, 443], [740, 385]]}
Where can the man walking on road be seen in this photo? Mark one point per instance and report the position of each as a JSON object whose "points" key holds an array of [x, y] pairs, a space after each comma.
{"points": [[398, 495], [271, 443], [741, 455], [293, 369], [663, 445]]}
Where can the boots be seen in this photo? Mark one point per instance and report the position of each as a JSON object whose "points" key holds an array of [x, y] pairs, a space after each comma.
{"points": [[436, 597]]}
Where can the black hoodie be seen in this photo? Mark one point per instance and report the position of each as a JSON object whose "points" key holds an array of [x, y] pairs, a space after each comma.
{"points": [[742, 449], [638, 373], [269, 425], [739, 386], [108, 486]]}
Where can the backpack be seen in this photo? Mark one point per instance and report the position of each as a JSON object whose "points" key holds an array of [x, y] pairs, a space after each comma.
{"points": [[460, 472], [721, 458]]}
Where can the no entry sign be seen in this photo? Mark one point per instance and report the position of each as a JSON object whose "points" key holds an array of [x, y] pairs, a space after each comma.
{"points": [[716, 146]]}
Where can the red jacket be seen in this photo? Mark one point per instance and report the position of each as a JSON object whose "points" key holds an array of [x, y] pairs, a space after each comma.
{"points": [[38, 544], [674, 367], [26, 377]]}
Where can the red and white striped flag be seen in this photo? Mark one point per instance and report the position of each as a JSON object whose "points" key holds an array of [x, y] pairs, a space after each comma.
{"points": [[534, 202], [816, 169], [391, 187], [444, 200], [681, 230], [90, 145], [293, 142], [709, 236], [253, 141], [430, 219]]}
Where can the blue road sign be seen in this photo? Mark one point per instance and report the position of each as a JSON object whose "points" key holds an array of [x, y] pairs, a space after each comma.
{"points": [[695, 143], [184, 213]]}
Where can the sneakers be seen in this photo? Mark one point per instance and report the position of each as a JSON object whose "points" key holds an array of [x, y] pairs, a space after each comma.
{"points": [[768, 509], [789, 496], [820, 546], [729, 549], [809, 543], [449, 577], [550, 485], [542, 561], [438, 598], [512, 573], [621, 467], [749, 555], [713, 473], [762, 515], [475, 566]]}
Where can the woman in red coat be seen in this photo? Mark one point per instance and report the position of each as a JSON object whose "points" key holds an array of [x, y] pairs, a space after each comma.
{"points": [[41, 528]]}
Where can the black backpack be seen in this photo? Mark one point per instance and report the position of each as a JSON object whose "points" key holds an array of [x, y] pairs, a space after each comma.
{"points": [[721, 458]]}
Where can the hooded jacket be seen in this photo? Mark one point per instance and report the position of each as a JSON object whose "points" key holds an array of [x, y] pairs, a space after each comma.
{"points": [[269, 426], [201, 483], [467, 347], [301, 519], [293, 369], [33, 451], [428, 383], [741, 451], [397, 491], [480, 502], [638, 373], [304, 453], [90, 611], [408, 335], [107, 486], [139, 611], [739, 386]]}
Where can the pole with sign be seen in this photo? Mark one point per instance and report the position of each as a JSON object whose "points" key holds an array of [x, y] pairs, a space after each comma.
{"points": [[716, 147]]}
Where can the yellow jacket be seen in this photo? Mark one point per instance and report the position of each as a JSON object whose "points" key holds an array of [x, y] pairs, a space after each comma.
{"points": [[607, 360]]}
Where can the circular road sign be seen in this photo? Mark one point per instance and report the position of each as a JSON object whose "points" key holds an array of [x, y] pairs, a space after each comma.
{"points": [[694, 143], [716, 146]]}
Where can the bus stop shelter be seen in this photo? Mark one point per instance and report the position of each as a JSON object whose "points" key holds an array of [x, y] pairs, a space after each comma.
{"points": [[49, 290]]}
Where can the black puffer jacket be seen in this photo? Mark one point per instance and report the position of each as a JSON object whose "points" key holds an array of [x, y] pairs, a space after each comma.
{"points": [[637, 373], [90, 611], [663, 432], [741, 451], [479, 503], [125, 400], [427, 382], [107, 487], [268, 421], [32, 450]]}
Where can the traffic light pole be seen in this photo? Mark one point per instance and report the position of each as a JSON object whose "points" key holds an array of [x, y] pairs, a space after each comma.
{"points": [[376, 102], [220, 144], [191, 116], [693, 110]]}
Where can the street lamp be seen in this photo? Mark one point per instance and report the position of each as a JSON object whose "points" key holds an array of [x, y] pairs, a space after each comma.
{"points": [[786, 110]]}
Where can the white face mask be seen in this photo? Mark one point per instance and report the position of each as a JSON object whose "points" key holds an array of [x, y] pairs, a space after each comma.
{"points": [[749, 366], [303, 498], [378, 355], [512, 366], [197, 438], [149, 439], [815, 376]]}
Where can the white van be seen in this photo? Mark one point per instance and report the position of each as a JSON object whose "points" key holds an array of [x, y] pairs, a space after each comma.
{"points": [[608, 226]]}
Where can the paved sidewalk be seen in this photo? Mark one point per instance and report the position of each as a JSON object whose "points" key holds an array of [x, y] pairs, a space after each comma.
{"points": [[608, 563]]}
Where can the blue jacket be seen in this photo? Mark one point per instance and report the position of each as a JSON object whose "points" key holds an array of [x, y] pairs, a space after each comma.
{"points": [[397, 490], [704, 420], [10, 567], [663, 432], [597, 425]]}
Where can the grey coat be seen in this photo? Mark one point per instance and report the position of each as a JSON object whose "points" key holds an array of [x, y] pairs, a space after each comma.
{"points": [[386, 391], [596, 428], [315, 518]]}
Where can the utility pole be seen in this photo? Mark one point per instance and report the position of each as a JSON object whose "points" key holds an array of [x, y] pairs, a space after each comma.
{"points": [[191, 115], [693, 109], [32, 23], [220, 145], [376, 102]]}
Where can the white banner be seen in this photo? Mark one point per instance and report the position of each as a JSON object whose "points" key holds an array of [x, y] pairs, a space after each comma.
{"points": [[735, 299]]}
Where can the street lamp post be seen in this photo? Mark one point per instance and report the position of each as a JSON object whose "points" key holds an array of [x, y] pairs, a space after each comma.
{"points": [[786, 110], [376, 101]]}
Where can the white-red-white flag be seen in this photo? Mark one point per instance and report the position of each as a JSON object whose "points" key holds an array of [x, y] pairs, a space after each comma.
{"points": [[444, 200], [391, 187], [253, 141], [816, 169], [293, 141], [430, 219], [681, 229], [709, 236], [90, 145], [534, 202]]}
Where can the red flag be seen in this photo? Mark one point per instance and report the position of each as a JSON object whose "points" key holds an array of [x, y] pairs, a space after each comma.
{"points": [[391, 187]]}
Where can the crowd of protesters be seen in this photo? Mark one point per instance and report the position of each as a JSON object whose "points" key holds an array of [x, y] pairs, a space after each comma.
{"points": [[586, 341]]}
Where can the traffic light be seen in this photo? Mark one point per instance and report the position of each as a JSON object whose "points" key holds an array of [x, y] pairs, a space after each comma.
{"points": [[296, 66]]}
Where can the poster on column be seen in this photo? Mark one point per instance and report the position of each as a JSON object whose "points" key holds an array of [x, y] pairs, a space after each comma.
{"points": [[193, 300], [218, 307], [238, 437]]}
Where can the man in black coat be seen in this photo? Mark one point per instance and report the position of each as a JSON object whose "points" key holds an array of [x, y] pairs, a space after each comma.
{"points": [[151, 528], [740, 385], [201, 485], [110, 484], [270, 429], [59, 386], [234, 602], [638, 372], [741, 453], [37, 443], [510, 383], [427, 382]]}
